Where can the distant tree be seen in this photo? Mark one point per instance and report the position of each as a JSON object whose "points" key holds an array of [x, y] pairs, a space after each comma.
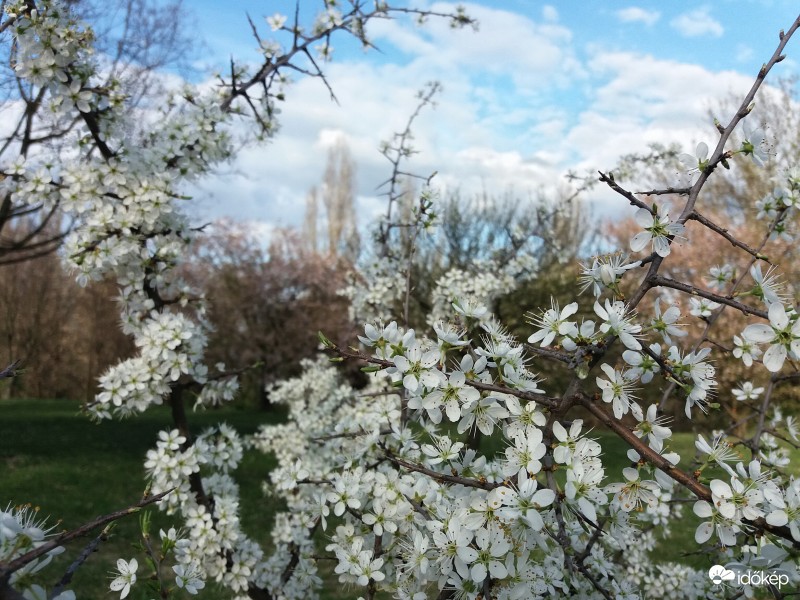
{"points": [[311, 222], [501, 226], [261, 294], [64, 335], [337, 195], [530, 235]]}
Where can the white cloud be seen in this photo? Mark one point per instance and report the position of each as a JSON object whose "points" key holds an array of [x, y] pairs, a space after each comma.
{"points": [[635, 14], [503, 120], [651, 94], [697, 23], [644, 100], [507, 44], [744, 53], [549, 13]]}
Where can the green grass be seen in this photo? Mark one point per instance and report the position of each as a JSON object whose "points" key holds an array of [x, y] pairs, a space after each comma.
{"points": [[53, 457], [75, 470]]}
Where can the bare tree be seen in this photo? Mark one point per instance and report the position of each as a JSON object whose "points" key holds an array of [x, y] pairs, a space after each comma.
{"points": [[338, 197], [338, 222], [311, 222], [65, 336]]}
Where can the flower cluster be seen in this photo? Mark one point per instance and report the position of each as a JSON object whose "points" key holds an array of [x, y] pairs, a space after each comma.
{"points": [[400, 477], [434, 511]]}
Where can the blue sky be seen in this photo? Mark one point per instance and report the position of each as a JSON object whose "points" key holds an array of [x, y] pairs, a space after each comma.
{"points": [[539, 89]]}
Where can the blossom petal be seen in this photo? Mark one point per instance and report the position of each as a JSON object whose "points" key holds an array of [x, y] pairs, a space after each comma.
{"points": [[778, 316], [759, 333], [703, 533], [702, 509], [774, 358], [640, 241]]}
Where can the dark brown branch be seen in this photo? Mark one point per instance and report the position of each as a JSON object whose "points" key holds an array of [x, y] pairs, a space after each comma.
{"points": [[755, 442], [719, 154], [522, 395], [350, 434], [660, 280], [608, 179], [680, 476], [550, 353], [480, 484], [486, 387], [696, 216], [178, 411], [6, 569], [670, 191], [732, 290], [593, 580], [76, 564], [596, 535], [93, 124], [8, 22], [653, 457]]}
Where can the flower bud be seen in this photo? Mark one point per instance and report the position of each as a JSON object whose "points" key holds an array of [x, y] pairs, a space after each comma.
{"points": [[607, 275]]}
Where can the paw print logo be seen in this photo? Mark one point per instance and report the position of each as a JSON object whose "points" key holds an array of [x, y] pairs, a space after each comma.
{"points": [[718, 574]]}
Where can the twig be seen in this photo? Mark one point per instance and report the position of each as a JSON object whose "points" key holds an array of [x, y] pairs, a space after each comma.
{"points": [[480, 484], [670, 191], [10, 370], [82, 557], [6, 569], [680, 476], [710, 321], [608, 179], [755, 442], [660, 280], [478, 385], [696, 216]]}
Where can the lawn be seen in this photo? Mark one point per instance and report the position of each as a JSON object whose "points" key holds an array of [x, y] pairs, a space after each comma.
{"points": [[75, 470]]}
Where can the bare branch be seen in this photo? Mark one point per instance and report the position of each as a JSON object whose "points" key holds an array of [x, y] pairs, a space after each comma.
{"points": [[696, 216], [6, 569], [481, 484], [660, 280], [11, 370]]}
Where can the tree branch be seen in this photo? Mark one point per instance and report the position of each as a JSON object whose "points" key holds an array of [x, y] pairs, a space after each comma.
{"points": [[6, 569]]}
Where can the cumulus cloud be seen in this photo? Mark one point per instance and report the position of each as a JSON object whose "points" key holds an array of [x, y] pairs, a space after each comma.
{"points": [[697, 23], [635, 14], [744, 53], [549, 13], [507, 44], [503, 120]]}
